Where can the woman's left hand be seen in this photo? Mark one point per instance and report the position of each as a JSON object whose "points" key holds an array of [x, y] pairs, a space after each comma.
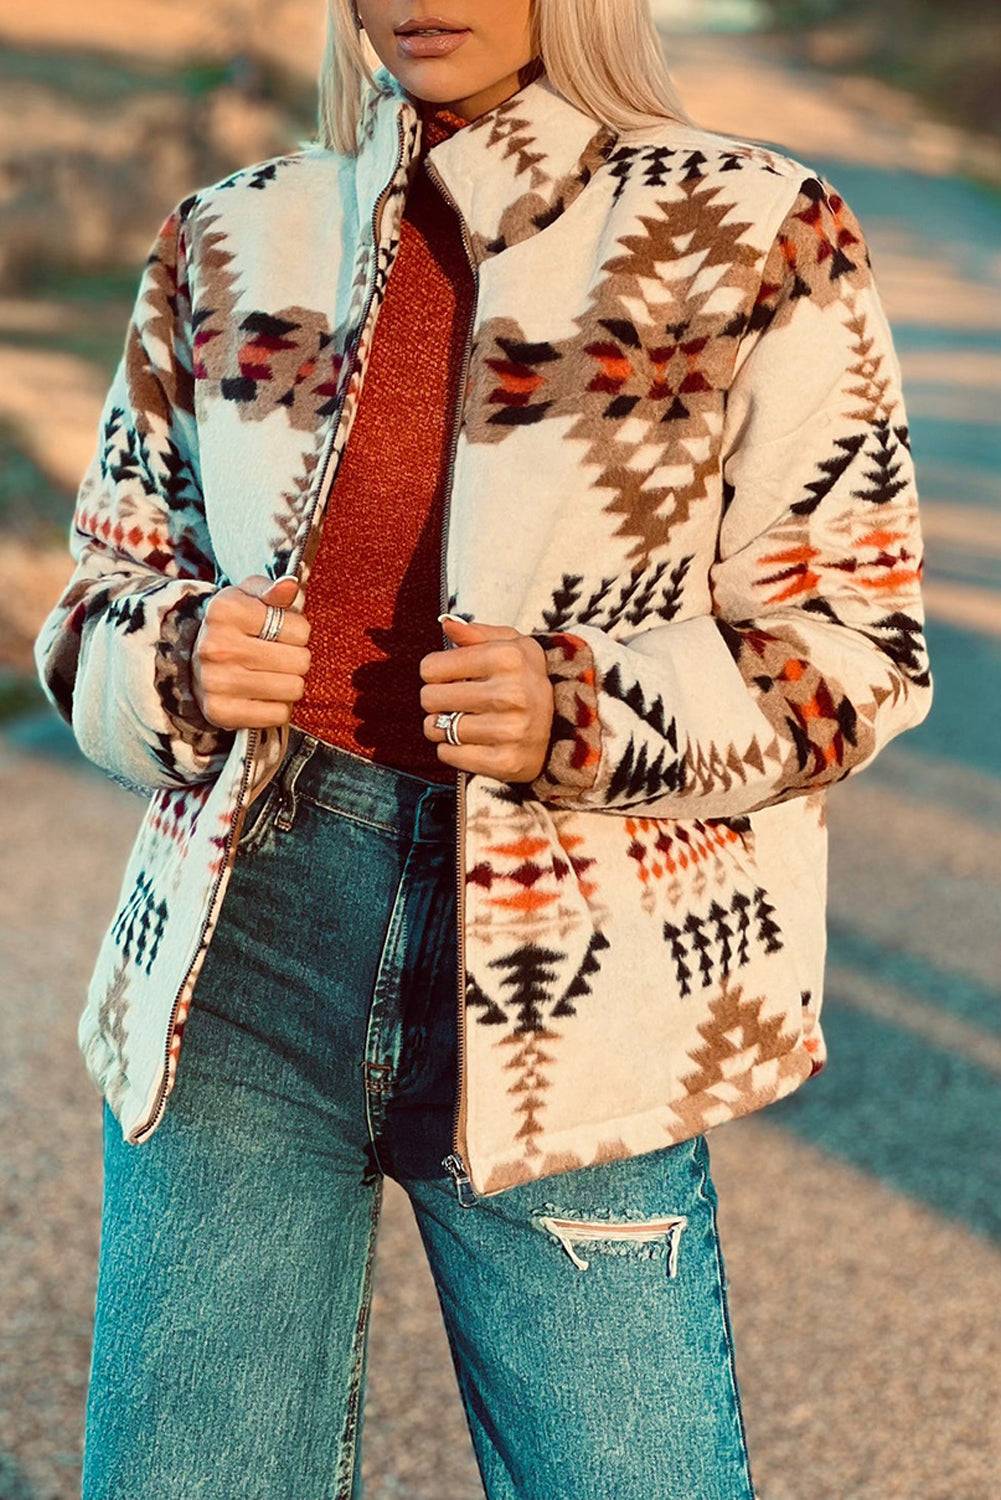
{"points": [[499, 678]]}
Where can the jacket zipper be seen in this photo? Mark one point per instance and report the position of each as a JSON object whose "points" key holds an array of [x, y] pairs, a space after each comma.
{"points": [[254, 733], [306, 530], [455, 1162]]}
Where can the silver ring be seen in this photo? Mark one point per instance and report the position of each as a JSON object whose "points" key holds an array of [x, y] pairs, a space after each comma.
{"points": [[450, 723], [273, 621]]}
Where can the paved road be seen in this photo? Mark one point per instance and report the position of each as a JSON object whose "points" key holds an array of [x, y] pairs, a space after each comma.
{"points": [[860, 1217]]}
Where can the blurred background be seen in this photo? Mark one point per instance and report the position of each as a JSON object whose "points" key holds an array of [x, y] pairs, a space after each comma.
{"points": [[860, 1216]]}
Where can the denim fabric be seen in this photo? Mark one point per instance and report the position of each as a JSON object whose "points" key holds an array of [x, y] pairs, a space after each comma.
{"points": [[237, 1242]]}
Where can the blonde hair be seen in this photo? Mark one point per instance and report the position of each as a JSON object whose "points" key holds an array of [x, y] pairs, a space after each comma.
{"points": [[605, 56]]}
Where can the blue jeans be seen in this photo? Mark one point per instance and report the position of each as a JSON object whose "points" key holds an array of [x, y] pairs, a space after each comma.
{"points": [[230, 1335]]}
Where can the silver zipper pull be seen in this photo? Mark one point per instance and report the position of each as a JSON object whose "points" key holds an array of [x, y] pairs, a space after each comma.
{"points": [[456, 1168]]}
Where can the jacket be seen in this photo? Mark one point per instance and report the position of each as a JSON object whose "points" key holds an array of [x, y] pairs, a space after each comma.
{"points": [[680, 460]]}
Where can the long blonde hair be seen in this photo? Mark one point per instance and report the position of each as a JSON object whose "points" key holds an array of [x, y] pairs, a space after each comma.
{"points": [[604, 56]]}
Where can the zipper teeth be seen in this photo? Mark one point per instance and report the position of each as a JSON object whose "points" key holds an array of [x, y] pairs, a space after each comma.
{"points": [[458, 1146], [254, 734]]}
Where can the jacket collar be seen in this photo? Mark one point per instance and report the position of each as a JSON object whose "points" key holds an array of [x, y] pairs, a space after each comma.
{"points": [[511, 171]]}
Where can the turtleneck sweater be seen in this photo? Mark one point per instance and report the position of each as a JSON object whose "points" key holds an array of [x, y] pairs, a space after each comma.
{"points": [[372, 595]]}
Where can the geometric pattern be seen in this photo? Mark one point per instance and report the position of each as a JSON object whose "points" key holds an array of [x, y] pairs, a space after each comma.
{"points": [[714, 942], [112, 1017], [679, 861], [735, 1038], [139, 924], [839, 560]]}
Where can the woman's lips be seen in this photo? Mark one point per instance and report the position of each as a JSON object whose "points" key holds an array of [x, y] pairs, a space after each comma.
{"points": [[413, 45]]}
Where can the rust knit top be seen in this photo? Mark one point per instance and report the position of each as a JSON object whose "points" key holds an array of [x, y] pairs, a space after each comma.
{"points": [[372, 595]]}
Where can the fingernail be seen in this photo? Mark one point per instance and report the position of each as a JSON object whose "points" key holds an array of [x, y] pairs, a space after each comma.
{"points": [[448, 615]]}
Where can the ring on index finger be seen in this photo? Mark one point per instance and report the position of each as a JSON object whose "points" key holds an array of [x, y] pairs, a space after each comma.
{"points": [[273, 621]]}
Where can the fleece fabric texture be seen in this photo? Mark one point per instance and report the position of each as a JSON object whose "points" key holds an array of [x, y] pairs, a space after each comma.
{"points": [[682, 462]]}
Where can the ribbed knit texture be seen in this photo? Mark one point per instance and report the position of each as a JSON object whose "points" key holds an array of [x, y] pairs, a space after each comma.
{"points": [[373, 593]]}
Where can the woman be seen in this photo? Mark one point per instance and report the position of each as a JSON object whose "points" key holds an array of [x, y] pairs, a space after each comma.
{"points": [[518, 911]]}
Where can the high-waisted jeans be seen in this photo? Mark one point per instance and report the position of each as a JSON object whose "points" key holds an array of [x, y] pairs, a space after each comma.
{"points": [[235, 1273]]}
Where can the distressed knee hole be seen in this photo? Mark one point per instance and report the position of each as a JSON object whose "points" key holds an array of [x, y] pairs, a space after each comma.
{"points": [[653, 1238]]}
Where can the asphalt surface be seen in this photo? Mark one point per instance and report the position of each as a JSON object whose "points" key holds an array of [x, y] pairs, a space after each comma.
{"points": [[860, 1217]]}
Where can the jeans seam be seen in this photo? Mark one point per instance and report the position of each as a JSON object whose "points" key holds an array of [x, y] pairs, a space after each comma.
{"points": [[348, 1455], [254, 835], [728, 1332], [375, 1101], [291, 772], [352, 817]]}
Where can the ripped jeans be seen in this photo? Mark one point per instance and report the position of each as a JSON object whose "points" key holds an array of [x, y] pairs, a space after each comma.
{"points": [[586, 1313]]}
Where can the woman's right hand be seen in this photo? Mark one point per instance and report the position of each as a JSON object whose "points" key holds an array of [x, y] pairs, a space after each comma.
{"points": [[240, 681]]}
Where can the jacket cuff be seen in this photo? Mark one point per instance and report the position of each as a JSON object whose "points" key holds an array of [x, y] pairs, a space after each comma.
{"points": [[179, 626], [574, 750]]}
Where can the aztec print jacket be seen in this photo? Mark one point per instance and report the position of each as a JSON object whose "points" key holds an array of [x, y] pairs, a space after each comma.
{"points": [[680, 460]]}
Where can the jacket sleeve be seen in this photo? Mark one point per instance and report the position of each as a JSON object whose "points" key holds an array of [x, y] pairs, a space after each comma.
{"points": [[113, 655], [812, 655]]}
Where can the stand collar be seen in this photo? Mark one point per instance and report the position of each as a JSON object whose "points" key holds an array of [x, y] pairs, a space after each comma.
{"points": [[510, 171]]}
